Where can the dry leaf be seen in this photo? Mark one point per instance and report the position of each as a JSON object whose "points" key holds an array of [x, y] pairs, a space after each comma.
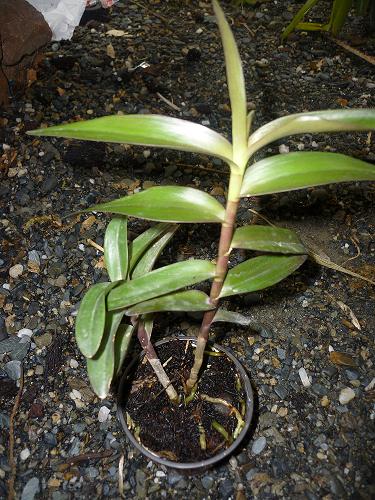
{"points": [[351, 314], [342, 359], [116, 33], [342, 102], [87, 223], [111, 51], [31, 76]]}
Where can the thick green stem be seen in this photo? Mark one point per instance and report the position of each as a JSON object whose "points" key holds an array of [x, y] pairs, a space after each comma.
{"points": [[226, 234], [155, 362]]}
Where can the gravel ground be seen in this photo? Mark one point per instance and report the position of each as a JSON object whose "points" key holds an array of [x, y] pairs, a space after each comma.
{"points": [[312, 362]]}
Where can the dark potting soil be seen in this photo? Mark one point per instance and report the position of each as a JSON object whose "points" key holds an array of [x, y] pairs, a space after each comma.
{"points": [[172, 430]]}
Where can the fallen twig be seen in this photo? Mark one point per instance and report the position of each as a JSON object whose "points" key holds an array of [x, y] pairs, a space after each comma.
{"points": [[121, 476], [153, 13], [359, 53], [95, 455], [167, 101], [12, 462]]}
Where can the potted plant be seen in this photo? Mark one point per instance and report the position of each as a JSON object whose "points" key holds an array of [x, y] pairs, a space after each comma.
{"points": [[211, 406]]}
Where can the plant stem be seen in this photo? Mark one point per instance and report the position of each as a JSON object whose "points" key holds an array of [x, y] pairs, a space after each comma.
{"points": [[155, 362], [226, 234]]}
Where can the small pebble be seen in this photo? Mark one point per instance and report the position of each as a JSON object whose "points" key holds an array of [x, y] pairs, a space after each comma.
{"points": [[73, 363], [283, 148], [16, 271], [25, 453], [304, 377], [346, 395], [25, 332], [103, 413], [259, 445]]}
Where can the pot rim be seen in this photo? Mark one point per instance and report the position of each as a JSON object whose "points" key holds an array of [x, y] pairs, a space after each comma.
{"points": [[202, 464]]}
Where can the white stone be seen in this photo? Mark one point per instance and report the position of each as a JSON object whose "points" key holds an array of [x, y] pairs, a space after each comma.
{"points": [[73, 363], [103, 413], [304, 377], [16, 271], [24, 455], [371, 385], [283, 148], [346, 395], [25, 332]]}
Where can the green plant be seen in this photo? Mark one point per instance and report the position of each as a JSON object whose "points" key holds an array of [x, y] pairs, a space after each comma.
{"points": [[339, 12], [135, 290]]}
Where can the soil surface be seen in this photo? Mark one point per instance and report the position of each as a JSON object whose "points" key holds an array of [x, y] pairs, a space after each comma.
{"points": [[311, 362], [175, 431]]}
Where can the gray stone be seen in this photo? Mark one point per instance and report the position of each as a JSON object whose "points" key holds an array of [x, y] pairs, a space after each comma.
{"points": [[31, 489], [182, 484], [319, 389], [251, 473], [281, 391], [207, 482], [92, 472], [226, 488], [140, 478], [9, 344], [259, 445], [50, 439], [13, 369], [351, 374], [173, 477], [21, 349], [3, 329], [75, 447], [4, 421], [281, 353]]}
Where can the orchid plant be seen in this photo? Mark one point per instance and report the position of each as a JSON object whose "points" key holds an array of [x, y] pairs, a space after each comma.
{"points": [[135, 291]]}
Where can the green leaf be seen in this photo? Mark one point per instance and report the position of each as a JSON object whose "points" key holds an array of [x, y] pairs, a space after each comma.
{"points": [[100, 368], [122, 342], [268, 239], [236, 87], [148, 321], [339, 13], [225, 316], [90, 319], [160, 282], [190, 300], [286, 172], [148, 259], [336, 120], [116, 249], [298, 17], [167, 203], [142, 242], [260, 272], [146, 130]]}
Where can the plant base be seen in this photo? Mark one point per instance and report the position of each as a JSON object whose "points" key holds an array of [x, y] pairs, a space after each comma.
{"points": [[195, 434]]}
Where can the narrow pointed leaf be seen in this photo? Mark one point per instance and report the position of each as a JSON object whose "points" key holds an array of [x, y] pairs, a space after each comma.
{"points": [[122, 342], [260, 272], [225, 316], [160, 282], [100, 368], [148, 321], [190, 300], [340, 120], [148, 259], [167, 203], [268, 239], [145, 130], [298, 17], [292, 171], [90, 319], [236, 85], [116, 249], [142, 242]]}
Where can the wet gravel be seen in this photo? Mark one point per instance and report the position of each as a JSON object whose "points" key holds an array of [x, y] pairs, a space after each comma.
{"points": [[311, 363]]}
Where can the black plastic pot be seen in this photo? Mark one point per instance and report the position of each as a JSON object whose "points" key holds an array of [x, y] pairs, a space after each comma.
{"points": [[190, 467]]}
